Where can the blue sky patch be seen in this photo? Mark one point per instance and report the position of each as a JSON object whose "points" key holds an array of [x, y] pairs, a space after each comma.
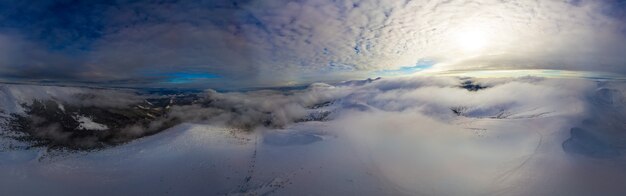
{"points": [[186, 77], [405, 70]]}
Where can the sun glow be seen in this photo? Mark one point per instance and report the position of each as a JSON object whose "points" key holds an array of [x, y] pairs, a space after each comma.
{"points": [[471, 40]]}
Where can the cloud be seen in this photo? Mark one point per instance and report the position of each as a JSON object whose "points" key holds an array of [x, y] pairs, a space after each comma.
{"points": [[440, 98], [260, 43]]}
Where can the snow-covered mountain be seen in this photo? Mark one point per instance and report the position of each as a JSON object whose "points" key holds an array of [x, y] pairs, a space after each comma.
{"points": [[402, 136], [84, 118]]}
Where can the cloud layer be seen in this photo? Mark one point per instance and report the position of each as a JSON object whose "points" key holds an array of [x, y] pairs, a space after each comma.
{"points": [[129, 115]]}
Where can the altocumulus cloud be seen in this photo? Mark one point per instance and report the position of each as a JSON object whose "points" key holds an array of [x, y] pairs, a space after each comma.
{"points": [[265, 43]]}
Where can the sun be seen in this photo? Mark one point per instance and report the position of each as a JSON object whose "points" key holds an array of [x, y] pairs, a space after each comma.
{"points": [[471, 40]]}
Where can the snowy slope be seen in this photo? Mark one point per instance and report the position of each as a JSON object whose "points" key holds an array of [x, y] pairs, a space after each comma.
{"points": [[383, 137]]}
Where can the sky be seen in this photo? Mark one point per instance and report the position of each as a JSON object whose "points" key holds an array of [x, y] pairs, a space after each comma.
{"points": [[248, 43]]}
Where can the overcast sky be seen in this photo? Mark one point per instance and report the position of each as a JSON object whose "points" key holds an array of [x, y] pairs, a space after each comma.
{"points": [[231, 44]]}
